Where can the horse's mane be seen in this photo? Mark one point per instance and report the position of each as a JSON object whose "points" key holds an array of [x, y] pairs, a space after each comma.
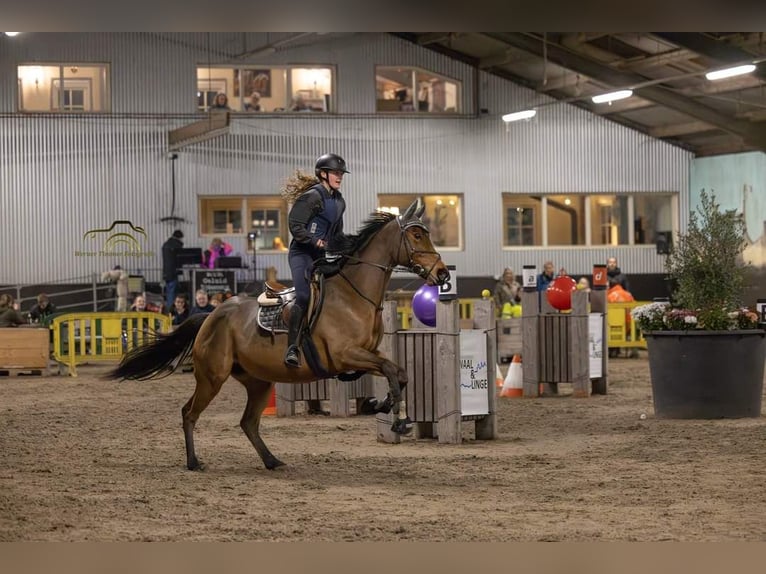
{"points": [[350, 244]]}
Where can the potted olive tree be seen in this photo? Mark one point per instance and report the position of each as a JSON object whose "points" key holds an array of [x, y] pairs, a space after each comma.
{"points": [[706, 352]]}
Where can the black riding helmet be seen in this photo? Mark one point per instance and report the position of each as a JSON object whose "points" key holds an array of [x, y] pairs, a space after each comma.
{"points": [[330, 162]]}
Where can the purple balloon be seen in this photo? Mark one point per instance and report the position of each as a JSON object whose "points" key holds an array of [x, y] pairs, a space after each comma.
{"points": [[424, 304]]}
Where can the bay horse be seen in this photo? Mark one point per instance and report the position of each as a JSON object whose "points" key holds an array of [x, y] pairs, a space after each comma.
{"points": [[347, 332]]}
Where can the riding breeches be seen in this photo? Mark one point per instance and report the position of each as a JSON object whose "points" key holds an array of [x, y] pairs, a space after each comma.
{"points": [[301, 264]]}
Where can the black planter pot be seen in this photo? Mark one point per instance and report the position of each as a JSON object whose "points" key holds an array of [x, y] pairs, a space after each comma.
{"points": [[706, 374]]}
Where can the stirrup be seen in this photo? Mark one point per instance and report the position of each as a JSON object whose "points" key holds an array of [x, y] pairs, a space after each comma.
{"points": [[292, 358]]}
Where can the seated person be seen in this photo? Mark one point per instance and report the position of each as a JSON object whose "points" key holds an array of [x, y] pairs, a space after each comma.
{"points": [[254, 105], [216, 299], [41, 312], [202, 303], [180, 311], [9, 312], [139, 304], [218, 248], [220, 103], [299, 105]]}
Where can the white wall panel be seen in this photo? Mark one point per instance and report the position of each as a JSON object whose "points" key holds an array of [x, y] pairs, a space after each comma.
{"points": [[62, 176]]}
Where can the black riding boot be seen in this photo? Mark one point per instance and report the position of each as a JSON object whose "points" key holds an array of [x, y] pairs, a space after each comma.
{"points": [[292, 355]]}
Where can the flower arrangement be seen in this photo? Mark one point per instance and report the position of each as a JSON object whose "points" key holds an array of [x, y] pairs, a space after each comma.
{"points": [[709, 275]]}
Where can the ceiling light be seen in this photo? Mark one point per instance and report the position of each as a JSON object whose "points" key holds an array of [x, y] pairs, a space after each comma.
{"points": [[12, 33], [612, 96], [729, 72], [516, 116]]}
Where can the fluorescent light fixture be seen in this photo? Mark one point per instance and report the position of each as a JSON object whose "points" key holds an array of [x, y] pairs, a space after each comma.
{"points": [[729, 72], [12, 33], [612, 96], [516, 116]]}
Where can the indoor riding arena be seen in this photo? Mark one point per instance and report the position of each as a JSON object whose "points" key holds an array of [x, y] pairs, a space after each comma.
{"points": [[518, 213]]}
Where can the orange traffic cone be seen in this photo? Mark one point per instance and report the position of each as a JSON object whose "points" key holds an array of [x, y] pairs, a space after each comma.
{"points": [[271, 408], [498, 377], [513, 386]]}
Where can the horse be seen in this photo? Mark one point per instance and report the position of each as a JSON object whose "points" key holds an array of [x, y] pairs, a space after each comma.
{"points": [[346, 333]]}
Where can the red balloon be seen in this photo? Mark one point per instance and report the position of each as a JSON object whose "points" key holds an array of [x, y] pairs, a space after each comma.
{"points": [[559, 292]]}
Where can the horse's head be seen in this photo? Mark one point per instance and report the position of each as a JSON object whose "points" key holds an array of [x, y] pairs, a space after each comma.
{"points": [[416, 252]]}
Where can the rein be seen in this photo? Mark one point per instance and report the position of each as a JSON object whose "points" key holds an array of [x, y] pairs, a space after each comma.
{"points": [[411, 267]]}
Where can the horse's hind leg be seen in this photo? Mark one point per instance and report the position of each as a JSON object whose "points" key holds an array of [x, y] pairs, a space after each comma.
{"points": [[257, 398], [207, 388]]}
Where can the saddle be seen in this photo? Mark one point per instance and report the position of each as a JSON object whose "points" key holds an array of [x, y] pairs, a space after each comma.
{"points": [[275, 304], [273, 307]]}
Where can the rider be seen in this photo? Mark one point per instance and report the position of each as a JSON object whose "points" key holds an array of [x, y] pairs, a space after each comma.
{"points": [[315, 218]]}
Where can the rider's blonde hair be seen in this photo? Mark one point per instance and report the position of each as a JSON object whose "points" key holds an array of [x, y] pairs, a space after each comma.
{"points": [[296, 185]]}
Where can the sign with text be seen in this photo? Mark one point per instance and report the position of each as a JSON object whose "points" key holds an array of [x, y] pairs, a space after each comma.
{"points": [[529, 277], [448, 290], [474, 374], [595, 344], [214, 280]]}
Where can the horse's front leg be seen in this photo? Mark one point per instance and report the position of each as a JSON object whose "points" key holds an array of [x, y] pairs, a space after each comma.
{"points": [[362, 359]]}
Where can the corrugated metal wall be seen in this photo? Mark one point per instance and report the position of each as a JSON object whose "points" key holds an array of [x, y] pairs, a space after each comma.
{"points": [[62, 176]]}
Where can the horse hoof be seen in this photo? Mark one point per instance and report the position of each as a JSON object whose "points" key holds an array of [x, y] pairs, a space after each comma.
{"points": [[196, 465], [402, 426], [273, 464]]}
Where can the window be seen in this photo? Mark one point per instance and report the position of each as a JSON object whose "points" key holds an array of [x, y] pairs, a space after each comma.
{"points": [[268, 89], [580, 219], [63, 88], [263, 216], [442, 215], [401, 89], [609, 220]]}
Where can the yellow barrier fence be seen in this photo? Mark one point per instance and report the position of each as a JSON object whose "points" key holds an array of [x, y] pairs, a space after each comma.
{"points": [[621, 328], [89, 337]]}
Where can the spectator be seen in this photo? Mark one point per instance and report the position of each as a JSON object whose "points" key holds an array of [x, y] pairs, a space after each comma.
{"points": [[220, 103], [507, 292], [202, 303], [583, 283], [180, 310], [41, 312], [614, 274], [217, 249], [254, 105], [139, 304], [227, 294], [544, 278], [299, 105], [120, 277], [170, 265], [216, 299], [9, 312]]}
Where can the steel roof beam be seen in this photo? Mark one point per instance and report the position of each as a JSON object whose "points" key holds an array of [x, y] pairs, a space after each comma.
{"points": [[623, 79]]}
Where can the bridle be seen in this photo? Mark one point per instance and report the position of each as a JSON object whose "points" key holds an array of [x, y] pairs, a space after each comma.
{"points": [[411, 252]]}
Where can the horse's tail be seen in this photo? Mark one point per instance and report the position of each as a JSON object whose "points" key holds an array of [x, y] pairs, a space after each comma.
{"points": [[163, 355]]}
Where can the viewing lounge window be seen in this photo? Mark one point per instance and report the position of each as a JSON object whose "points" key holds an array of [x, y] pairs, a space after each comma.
{"points": [[281, 89], [442, 215], [63, 88], [242, 215], [580, 219], [401, 89]]}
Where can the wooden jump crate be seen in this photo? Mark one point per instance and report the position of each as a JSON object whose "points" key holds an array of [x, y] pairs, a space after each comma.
{"points": [[557, 347], [508, 339], [338, 393], [24, 350], [431, 358]]}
